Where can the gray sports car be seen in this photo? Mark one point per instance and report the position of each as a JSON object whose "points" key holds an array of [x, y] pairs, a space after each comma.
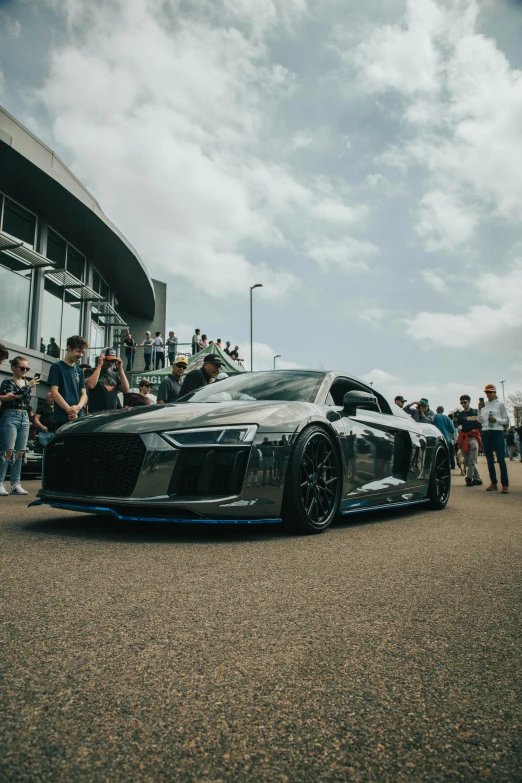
{"points": [[297, 447]]}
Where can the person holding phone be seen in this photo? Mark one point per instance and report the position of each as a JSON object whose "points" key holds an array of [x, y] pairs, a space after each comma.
{"points": [[15, 394], [493, 417]]}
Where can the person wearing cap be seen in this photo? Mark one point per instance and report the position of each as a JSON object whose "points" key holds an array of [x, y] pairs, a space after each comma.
{"points": [[198, 378], [470, 440], [138, 399], [421, 413], [493, 416], [399, 401], [147, 350], [170, 387], [105, 381]]}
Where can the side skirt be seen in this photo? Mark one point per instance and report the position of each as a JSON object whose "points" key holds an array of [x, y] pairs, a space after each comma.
{"points": [[360, 509]]}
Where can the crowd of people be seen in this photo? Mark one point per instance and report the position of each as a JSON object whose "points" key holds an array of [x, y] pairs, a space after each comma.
{"points": [[472, 431], [200, 342], [77, 389], [156, 349]]}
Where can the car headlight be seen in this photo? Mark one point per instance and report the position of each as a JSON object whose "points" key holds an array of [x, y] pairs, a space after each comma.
{"points": [[213, 436]]}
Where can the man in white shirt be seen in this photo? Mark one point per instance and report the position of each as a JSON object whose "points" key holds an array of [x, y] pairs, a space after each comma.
{"points": [[159, 350], [493, 416]]}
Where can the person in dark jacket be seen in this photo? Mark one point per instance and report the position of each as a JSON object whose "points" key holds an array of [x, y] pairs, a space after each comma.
{"points": [[138, 399], [198, 378]]}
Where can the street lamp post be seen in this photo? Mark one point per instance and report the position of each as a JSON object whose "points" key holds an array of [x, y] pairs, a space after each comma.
{"points": [[503, 395], [277, 356], [257, 285]]}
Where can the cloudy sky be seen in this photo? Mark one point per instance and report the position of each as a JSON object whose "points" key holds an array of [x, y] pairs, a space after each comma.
{"points": [[360, 160]]}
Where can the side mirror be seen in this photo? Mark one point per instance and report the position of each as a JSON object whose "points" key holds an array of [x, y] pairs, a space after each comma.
{"points": [[359, 399]]}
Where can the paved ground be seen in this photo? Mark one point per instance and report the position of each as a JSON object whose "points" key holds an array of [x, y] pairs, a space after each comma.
{"points": [[387, 649]]}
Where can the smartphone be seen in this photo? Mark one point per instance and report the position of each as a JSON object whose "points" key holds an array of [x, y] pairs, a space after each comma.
{"points": [[481, 399], [37, 376]]}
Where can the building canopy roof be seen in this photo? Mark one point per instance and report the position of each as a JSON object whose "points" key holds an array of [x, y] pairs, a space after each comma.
{"points": [[33, 175]]}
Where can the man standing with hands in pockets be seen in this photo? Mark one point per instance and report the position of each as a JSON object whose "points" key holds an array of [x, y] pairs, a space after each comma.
{"points": [[493, 416]]}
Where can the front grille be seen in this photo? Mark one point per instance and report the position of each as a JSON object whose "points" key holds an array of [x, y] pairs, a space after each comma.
{"points": [[209, 472], [93, 464]]}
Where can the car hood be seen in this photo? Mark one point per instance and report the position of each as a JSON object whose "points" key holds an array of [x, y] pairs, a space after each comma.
{"points": [[279, 416]]}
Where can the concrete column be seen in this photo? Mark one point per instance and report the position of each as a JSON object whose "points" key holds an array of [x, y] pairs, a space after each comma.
{"points": [[85, 326]]}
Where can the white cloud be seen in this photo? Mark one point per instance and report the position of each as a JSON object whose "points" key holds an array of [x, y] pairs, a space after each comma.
{"points": [[380, 377], [168, 130], [264, 358], [462, 104], [443, 222], [386, 57], [375, 315], [10, 26], [301, 141], [345, 254], [489, 325], [433, 279]]}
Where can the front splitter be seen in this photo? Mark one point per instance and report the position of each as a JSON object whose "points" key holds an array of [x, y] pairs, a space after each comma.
{"points": [[88, 509]]}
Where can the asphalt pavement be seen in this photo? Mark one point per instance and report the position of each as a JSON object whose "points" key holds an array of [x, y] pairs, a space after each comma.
{"points": [[387, 649]]}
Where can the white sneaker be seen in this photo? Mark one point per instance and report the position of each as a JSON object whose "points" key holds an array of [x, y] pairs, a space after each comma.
{"points": [[17, 489], [3, 490]]}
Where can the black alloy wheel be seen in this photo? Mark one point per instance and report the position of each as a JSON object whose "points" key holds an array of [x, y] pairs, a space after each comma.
{"points": [[313, 483], [440, 478]]}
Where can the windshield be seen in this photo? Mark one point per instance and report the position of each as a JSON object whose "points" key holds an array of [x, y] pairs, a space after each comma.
{"points": [[291, 386]]}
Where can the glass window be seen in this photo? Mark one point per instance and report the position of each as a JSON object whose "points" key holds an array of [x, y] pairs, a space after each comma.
{"points": [[70, 322], [18, 222], [75, 263], [14, 306], [51, 320], [56, 249], [97, 341], [100, 286]]}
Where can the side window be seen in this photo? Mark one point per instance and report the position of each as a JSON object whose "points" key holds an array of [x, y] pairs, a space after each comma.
{"points": [[329, 400], [339, 388]]}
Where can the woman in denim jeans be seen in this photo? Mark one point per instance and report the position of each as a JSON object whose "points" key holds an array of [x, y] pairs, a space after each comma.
{"points": [[15, 395]]}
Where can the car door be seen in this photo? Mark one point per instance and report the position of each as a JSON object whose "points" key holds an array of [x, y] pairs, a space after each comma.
{"points": [[399, 446]]}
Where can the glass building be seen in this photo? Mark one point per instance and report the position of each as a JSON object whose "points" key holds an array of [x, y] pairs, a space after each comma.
{"points": [[64, 267]]}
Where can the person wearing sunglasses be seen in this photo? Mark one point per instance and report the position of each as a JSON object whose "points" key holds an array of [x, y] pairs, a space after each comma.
{"points": [[15, 394], [493, 416], [469, 441], [139, 399], [170, 388]]}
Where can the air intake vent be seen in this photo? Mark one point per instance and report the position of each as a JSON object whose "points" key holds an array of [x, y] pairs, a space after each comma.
{"points": [[209, 472], [101, 465]]}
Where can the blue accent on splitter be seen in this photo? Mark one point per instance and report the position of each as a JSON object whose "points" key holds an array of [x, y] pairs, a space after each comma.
{"points": [[171, 520]]}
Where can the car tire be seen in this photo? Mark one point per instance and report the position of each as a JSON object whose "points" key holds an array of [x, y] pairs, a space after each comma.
{"points": [[439, 486], [313, 483]]}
